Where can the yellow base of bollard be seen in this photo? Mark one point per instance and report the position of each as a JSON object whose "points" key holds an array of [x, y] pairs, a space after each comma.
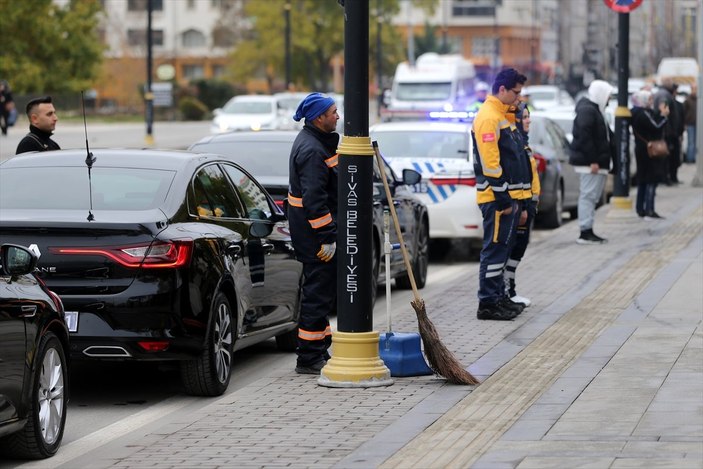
{"points": [[355, 362], [621, 209], [149, 140]]}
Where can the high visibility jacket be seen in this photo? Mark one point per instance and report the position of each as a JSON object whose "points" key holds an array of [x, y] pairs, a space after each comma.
{"points": [[312, 192], [499, 162]]}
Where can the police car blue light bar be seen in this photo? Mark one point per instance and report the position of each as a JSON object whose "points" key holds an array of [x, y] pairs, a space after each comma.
{"points": [[450, 115]]}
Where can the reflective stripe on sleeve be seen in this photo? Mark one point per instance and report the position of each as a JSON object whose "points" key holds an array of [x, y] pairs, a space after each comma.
{"points": [[332, 161], [295, 201], [322, 221]]}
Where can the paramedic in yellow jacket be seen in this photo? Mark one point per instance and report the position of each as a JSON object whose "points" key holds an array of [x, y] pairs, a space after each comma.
{"points": [[502, 184]]}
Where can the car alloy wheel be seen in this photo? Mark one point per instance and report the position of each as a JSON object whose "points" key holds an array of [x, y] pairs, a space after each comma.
{"points": [[209, 374], [46, 416]]}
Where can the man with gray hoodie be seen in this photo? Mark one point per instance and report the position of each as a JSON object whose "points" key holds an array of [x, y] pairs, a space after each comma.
{"points": [[591, 155]]}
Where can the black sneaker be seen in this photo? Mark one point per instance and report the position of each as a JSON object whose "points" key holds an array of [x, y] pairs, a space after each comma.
{"points": [[589, 237], [495, 311], [313, 369], [653, 215]]}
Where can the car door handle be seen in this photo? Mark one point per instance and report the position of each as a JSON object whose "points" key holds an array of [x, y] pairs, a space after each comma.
{"points": [[268, 248], [234, 249], [28, 311]]}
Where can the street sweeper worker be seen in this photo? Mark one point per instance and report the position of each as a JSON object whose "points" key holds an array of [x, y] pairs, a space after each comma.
{"points": [[312, 216], [500, 191]]}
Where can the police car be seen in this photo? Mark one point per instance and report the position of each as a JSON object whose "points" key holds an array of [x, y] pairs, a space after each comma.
{"points": [[442, 153]]}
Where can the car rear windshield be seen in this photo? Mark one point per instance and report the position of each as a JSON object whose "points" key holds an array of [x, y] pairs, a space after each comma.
{"points": [[67, 188], [418, 144], [260, 158]]}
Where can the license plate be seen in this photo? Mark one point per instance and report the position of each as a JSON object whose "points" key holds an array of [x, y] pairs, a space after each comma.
{"points": [[71, 320], [420, 187]]}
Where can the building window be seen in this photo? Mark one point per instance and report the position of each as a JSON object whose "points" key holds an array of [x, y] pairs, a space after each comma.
{"points": [[137, 37], [193, 38], [140, 5], [193, 72], [474, 7], [483, 47], [218, 71], [222, 36]]}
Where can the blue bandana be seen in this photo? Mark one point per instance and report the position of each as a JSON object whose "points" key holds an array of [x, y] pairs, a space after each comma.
{"points": [[314, 105]]}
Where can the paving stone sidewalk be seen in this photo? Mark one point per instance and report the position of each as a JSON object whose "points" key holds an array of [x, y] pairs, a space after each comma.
{"points": [[573, 341]]}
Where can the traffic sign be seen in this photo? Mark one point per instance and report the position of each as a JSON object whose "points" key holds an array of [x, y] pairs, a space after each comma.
{"points": [[622, 6]]}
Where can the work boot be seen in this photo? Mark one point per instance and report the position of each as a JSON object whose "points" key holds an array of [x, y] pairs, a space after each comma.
{"points": [[494, 311], [507, 304], [313, 369]]}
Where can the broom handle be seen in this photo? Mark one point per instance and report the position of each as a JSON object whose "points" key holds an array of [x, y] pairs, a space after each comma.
{"points": [[406, 257]]}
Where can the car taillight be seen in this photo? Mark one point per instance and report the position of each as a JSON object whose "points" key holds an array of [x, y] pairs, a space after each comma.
{"points": [[279, 203], [454, 181], [541, 163], [153, 345], [157, 255]]}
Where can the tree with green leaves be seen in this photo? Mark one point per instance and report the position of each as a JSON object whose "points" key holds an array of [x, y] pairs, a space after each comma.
{"points": [[317, 36], [48, 48]]}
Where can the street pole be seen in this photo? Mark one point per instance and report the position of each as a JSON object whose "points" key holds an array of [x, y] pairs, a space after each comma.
{"points": [[698, 178], [148, 95], [621, 199], [286, 14], [379, 59], [355, 358]]}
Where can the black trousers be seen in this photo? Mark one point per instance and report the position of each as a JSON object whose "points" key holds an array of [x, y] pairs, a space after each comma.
{"points": [[318, 301]]}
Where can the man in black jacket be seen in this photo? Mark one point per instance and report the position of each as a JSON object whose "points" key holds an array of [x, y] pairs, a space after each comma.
{"points": [[312, 215], [42, 122], [591, 155]]}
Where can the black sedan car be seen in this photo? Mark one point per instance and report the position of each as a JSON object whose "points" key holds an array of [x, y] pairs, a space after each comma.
{"points": [[266, 155], [157, 255], [33, 361]]}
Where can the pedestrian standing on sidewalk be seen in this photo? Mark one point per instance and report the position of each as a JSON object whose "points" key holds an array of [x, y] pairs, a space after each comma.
{"points": [[42, 123], [648, 122], [673, 129], [8, 113], [312, 216], [689, 118], [591, 155], [522, 234], [500, 175]]}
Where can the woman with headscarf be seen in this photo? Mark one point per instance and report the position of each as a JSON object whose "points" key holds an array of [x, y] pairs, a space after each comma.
{"points": [[522, 235], [647, 125], [591, 155]]}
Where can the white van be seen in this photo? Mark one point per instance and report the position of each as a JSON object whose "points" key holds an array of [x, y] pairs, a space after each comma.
{"points": [[439, 84], [679, 69]]}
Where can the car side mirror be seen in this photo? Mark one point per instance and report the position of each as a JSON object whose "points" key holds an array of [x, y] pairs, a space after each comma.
{"points": [[216, 112], [17, 260], [411, 177], [260, 229]]}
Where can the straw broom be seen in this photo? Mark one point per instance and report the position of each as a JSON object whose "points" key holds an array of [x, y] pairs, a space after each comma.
{"points": [[442, 361]]}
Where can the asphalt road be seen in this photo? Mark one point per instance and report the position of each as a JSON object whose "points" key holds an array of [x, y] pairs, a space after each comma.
{"points": [[170, 135]]}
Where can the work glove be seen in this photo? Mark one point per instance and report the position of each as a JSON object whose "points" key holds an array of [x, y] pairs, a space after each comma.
{"points": [[326, 252]]}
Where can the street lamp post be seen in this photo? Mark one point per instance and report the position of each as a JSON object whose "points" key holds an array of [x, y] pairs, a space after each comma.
{"points": [[355, 358], [148, 94], [379, 58], [620, 199], [286, 15]]}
